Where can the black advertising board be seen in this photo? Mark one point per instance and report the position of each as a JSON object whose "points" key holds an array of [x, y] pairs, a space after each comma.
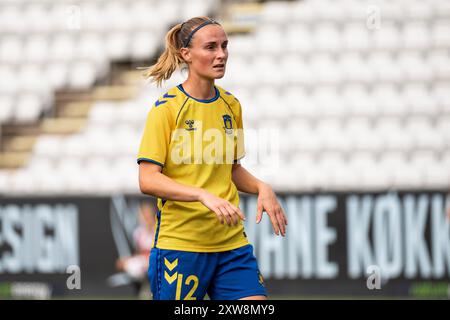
{"points": [[389, 244]]}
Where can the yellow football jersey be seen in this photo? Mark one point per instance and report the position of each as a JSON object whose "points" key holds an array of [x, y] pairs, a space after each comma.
{"points": [[196, 143]]}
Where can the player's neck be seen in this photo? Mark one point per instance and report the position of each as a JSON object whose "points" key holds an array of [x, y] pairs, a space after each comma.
{"points": [[202, 89]]}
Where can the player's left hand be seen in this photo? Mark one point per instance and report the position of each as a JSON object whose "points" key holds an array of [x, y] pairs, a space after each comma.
{"points": [[267, 201]]}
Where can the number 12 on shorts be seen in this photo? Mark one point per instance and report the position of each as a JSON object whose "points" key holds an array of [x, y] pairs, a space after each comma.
{"points": [[189, 280]]}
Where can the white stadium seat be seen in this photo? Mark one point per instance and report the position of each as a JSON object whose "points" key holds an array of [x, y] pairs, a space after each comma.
{"points": [[358, 101], [11, 49], [356, 37], [419, 100], [387, 37], [48, 145], [7, 108], [82, 75], [441, 34], [416, 36], [439, 62], [62, 47], [29, 108], [414, 68], [385, 68], [389, 101], [327, 38]]}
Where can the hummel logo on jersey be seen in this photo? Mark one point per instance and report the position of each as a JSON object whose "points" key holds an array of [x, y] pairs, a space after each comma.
{"points": [[190, 124]]}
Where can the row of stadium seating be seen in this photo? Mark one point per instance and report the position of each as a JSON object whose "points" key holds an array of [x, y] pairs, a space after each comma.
{"points": [[353, 36], [100, 175], [296, 37], [68, 46], [27, 93], [374, 67], [50, 15], [327, 101], [121, 136], [44, 16], [321, 69], [341, 11]]}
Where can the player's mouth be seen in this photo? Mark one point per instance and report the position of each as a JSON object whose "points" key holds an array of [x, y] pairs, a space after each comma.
{"points": [[219, 66]]}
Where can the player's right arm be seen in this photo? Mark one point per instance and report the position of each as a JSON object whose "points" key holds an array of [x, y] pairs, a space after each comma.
{"points": [[153, 182]]}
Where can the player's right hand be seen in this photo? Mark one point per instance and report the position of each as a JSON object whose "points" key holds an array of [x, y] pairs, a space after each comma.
{"points": [[225, 211]]}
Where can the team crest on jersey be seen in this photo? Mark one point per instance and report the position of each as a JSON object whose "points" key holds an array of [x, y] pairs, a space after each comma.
{"points": [[228, 125], [190, 124]]}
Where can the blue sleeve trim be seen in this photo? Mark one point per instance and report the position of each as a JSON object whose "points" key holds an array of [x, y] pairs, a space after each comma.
{"points": [[150, 160]]}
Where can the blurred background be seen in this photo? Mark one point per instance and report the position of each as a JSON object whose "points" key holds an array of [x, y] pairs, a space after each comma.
{"points": [[346, 107]]}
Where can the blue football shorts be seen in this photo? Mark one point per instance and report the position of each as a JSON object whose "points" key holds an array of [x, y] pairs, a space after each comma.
{"points": [[182, 275]]}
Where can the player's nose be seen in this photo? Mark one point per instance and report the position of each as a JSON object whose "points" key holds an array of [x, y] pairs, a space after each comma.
{"points": [[222, 54]]}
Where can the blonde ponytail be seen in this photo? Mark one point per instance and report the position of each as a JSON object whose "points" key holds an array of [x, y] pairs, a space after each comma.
{"points": [[171, 59]]}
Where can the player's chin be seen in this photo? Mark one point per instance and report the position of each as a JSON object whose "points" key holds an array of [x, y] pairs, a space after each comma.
{"points": [[218, 73]]}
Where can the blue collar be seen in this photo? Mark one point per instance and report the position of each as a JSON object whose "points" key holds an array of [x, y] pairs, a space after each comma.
{"points": [[180, 86]]}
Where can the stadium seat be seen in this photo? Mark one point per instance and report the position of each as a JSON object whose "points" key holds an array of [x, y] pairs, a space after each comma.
{"points": [[143, 45], [48, 145], [394, 136], [356, 132], [56, 74], [416, 35], [275, 12], [327, 38], [441, 93], [443, 129], [419, 100], [22, 182], [389, 101], [327, 102], [414, 68], [36, 17], [36, 49], [7, 109], [439, 62], [266, 71], [325, 70], [423, 133], [117, 45], [385, 68], [356, 37], [29, 107], [388, 37], [358, 101], [299, 39], [5, 181], [418, 10], [355, 69], [441, 34], [82, 75]]}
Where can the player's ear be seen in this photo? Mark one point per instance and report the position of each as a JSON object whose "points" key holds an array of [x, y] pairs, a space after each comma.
{"points": [[185, 54]]}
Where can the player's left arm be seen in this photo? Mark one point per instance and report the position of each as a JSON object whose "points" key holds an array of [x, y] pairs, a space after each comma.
{"points": [[267, 199]]}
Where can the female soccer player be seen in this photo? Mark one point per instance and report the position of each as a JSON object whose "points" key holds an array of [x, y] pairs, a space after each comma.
{"points": [[189, 159]]}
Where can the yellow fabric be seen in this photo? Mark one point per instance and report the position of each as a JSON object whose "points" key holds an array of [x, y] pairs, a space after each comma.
{"points": [[182, 135]]}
